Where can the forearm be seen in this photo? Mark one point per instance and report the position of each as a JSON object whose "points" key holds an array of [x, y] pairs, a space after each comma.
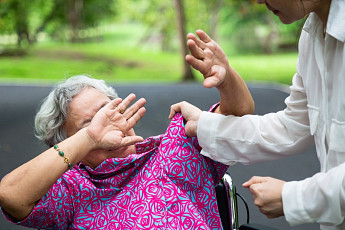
{"points": [[24, 186], [235, 98]]}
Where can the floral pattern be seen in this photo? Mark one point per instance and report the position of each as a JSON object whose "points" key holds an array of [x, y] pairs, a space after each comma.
{"points": [[167, 185]]}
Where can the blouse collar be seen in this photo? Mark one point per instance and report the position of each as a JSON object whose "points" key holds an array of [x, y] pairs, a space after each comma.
{"points": [[335, 22]]}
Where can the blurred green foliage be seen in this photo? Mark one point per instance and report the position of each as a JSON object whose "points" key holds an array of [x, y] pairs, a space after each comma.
{"points": [[140, 36]]}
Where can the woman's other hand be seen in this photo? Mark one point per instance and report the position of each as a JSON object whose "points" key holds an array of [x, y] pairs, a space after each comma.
{"points": [[190, 113], [208, 58], [267, 195], [109, 127]]}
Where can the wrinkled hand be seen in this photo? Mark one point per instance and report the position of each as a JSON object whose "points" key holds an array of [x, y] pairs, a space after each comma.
{"points": [[267, 195], [110, 125], [190, 113], [208, 58]]}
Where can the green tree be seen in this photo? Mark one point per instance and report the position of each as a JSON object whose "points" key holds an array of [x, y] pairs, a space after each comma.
{"points": [[243, 18], [27, 18], [22, 17], [180, 15]]}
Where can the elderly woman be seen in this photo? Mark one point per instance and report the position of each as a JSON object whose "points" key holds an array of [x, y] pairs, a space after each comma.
{"points": [[94, 177]]}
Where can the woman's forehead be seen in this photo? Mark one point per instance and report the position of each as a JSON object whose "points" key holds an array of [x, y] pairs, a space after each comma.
{"points": [[88, 102]]}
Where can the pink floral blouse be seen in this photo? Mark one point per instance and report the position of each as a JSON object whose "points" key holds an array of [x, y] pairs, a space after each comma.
{"points": [[167, 185]]}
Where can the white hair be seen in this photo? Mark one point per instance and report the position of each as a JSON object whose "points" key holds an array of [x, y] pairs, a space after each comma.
{"points": [[53, 112]]}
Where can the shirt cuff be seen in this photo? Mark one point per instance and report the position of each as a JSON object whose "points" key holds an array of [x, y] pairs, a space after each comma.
{"points": [[205, 134], [293, 207], [208, 128]]}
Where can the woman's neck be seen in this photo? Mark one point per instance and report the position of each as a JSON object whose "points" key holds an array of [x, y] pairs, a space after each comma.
{"points": [[322, 11]]}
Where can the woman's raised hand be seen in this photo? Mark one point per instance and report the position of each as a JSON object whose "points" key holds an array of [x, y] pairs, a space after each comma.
{"points": [[111, 124], [208, 58]]}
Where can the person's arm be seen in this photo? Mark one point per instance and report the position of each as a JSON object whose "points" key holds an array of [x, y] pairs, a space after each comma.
{"points": [[209, 59], [251, 138], [23, 187], [320, 198]]}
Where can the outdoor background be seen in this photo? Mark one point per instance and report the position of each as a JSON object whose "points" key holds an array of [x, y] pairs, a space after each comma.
{"points": [[139, 40], [139, 46]]}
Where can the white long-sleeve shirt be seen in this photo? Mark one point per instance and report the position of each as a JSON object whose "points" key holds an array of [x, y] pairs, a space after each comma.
{"points": [[315, 112]]}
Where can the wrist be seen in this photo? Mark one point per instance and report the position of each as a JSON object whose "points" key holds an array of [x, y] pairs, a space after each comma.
{"points": [[88, 138]]}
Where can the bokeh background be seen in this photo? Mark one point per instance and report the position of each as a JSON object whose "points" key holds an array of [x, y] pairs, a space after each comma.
{"points": [[139, 40]]}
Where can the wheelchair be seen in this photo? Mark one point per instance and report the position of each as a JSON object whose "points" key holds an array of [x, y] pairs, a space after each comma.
{"points": [[228, 207]]}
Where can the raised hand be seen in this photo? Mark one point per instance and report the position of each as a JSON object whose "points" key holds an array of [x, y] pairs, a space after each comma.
{"points": [[110, 125], [208, 58]]}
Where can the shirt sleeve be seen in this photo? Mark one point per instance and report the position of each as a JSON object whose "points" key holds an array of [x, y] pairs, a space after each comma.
{"points": [[252, 138], [53, 211], [217, 169], [320, 198]]}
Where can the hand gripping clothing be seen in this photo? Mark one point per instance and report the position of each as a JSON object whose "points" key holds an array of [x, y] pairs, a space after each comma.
{"points": [[166, 185]]}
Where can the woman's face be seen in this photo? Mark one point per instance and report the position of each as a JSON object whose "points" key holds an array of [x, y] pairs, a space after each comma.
{"points": [[288, 11], [82, 109]]}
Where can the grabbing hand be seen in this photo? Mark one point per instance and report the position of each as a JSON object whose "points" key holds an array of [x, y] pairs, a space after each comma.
{"points": [[267, 195], [208, 58], [190, 113], [110, 125]]}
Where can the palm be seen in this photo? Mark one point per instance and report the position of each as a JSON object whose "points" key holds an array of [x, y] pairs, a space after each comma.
{"points": [[208, 58], [109, 128]]}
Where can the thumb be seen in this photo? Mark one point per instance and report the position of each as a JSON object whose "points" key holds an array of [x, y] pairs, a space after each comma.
{"points": [[253, 180], [131, 140], [174, 109]]}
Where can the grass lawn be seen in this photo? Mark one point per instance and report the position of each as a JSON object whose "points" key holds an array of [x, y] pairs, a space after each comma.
{"points": [[118, 58]]}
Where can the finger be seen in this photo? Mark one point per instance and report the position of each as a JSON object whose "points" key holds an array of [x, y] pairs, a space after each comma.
{"points": [[254, 180], [195, 50], [133, 120], [253, 191], [128, 100], [113, 104], [197, 41], [134, 108], [203, 36], [131, 140], [176, 108], [196, 63], [211, 82]]}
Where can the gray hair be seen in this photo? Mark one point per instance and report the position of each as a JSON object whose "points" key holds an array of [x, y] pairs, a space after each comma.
{"points": [[53, 112]]}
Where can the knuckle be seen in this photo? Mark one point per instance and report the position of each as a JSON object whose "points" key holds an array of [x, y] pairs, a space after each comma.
{"points": [[258, 203]]}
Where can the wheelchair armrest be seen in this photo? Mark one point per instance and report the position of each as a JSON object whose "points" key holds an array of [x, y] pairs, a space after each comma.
{"points": [[255, 227]]}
